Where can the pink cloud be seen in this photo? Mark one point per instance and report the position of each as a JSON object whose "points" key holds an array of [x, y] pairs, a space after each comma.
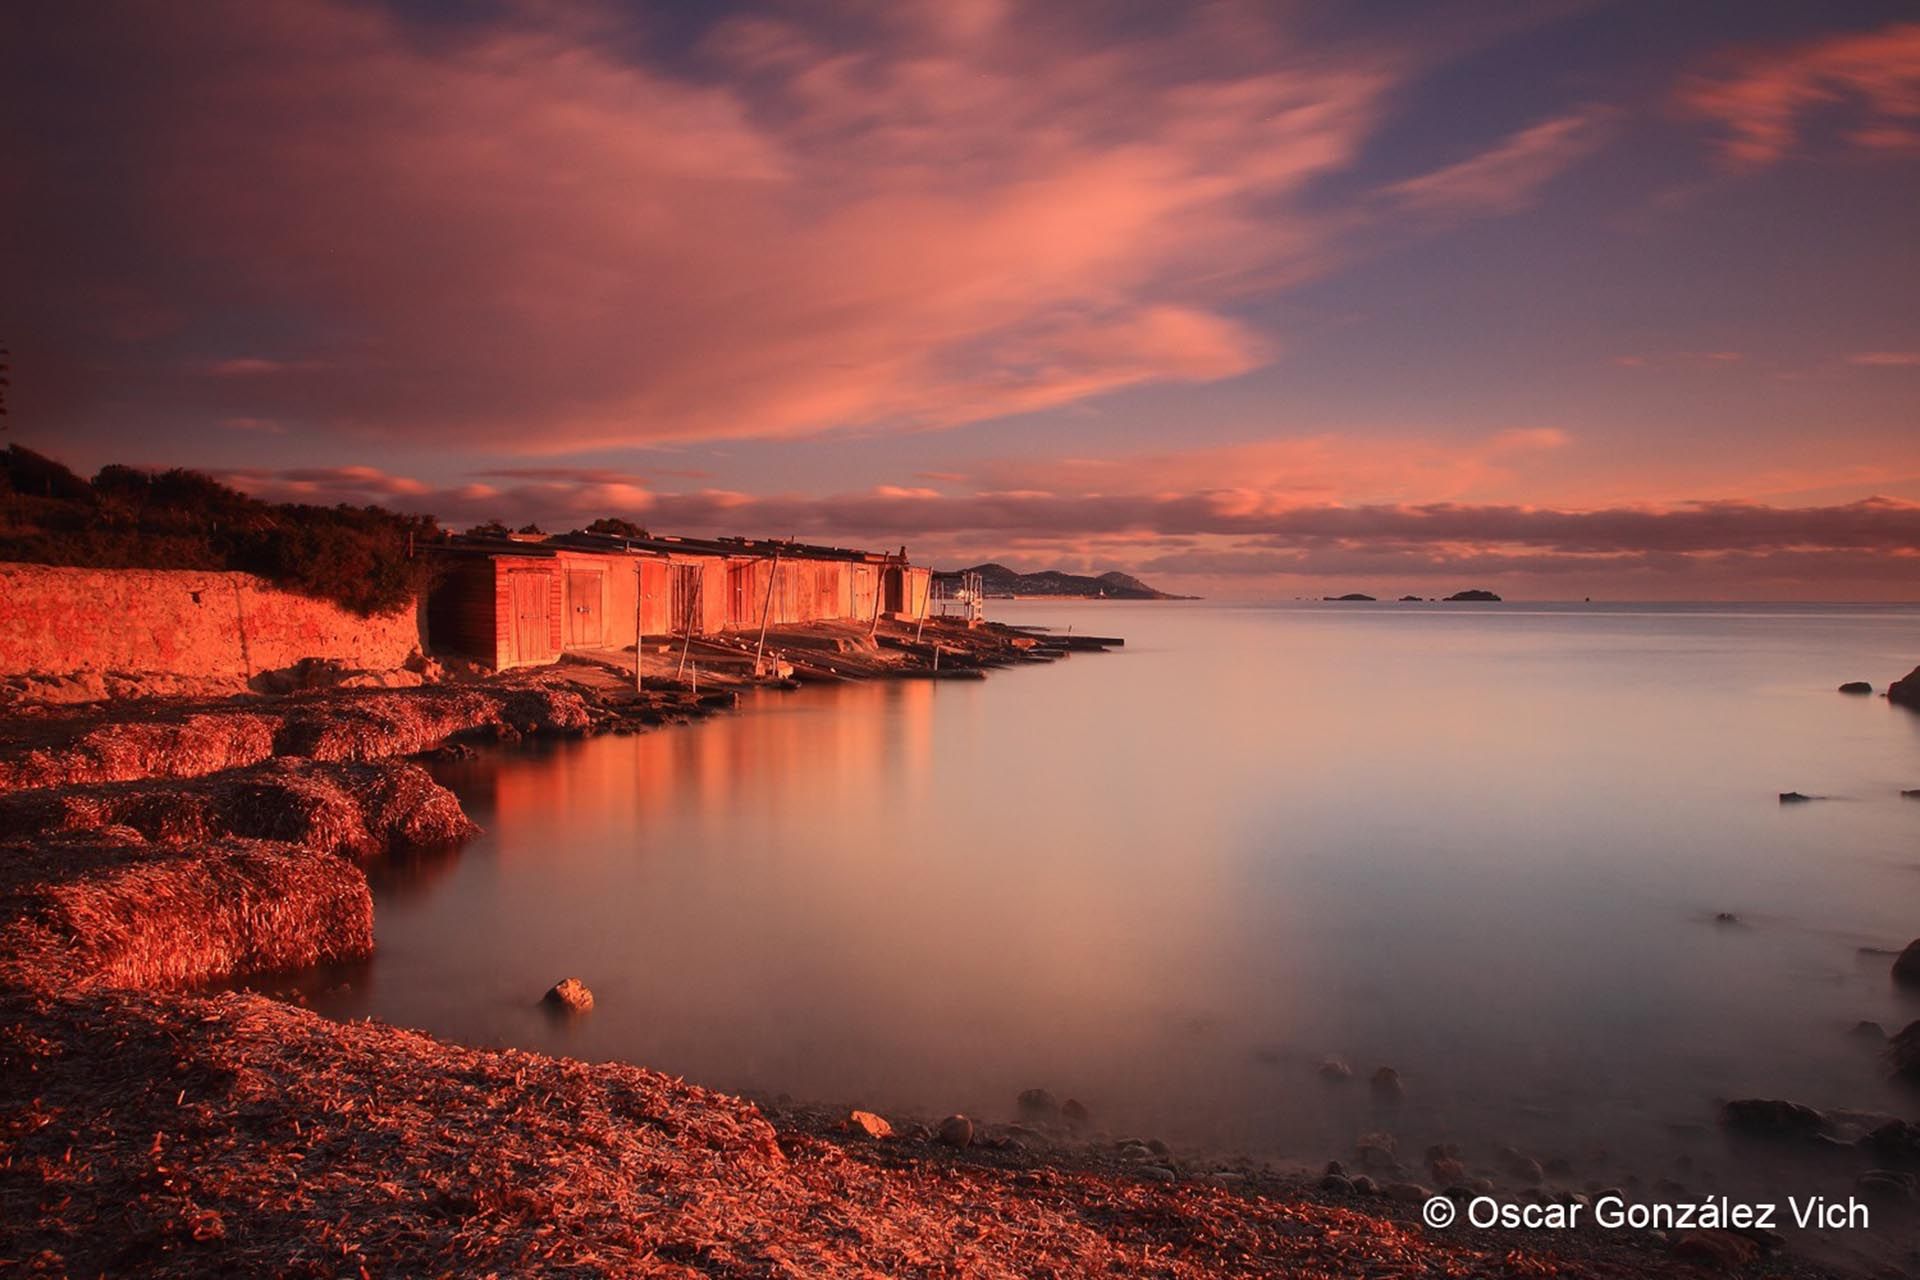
{"points": [[1509, 176], [1886, 359], [519, 239], [1762, 99]]}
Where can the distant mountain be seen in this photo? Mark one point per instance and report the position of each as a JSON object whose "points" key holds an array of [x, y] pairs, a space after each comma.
{"points": [[998, 580]]}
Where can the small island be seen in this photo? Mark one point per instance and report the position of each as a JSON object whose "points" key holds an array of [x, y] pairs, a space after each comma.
{"points": [[1483, 596], [1351, 595]]}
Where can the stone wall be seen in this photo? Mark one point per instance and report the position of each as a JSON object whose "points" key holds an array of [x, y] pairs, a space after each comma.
{"points": [[57, 622]]}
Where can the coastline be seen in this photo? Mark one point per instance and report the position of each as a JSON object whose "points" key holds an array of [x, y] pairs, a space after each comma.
{"points": [[147, 1122]]}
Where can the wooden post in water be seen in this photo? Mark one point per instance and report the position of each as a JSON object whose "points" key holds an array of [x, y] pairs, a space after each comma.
{"points": [[639, 597]]}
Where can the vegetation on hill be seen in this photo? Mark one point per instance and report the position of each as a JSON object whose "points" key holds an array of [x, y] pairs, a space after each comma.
{"points": [[361, 558], [998, 580]]}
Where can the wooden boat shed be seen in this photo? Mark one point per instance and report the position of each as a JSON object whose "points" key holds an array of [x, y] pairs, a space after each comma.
{"points": [[524, 600]]}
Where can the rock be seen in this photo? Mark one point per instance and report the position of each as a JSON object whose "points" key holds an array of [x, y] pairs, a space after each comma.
{"points": [[1386, 1085], [868, 1123], [1411, 600], [1795, 797], [1905, 692], [1447, 1171], [1856, 686], [1157, 1173], [1364, 1186], [1715, 1249], [1075, 1111], [1158, 1147], [1911, 793], [1351, 595], [1559, 1167], [1038, 1102], [1480, 596], [1527, 1170], [1336, 1183], [1407, 1192], [955, 1131], [1726, 917], [1772, 1118], [1335, 1169], [1866, 1030], [1906, 966], [1334, 1069], [1896, 1141], [1133, 1149], [1375, 1148], [1887, 1186], [570, 994]]}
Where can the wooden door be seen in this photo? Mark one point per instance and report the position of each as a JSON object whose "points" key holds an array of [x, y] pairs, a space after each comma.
{"points": [[686, 598], [532, 630], [586, 592]]}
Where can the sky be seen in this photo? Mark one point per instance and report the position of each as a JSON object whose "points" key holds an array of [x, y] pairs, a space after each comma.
{"points": [[1562, 299]]}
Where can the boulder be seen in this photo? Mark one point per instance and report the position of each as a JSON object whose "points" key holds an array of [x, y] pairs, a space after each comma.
{"points": [[1895, 1142], [1905, 692], [866, 1122], [1871, 1031], [1856, 686], [1903, 1053], [1772, 1118], [1334, 1069], [1886, 1186], [569, 994], [1386, 1085], [955, 1131], [1906, 967], [1075, 1111], [1722, 1249], [1038, 1102]]}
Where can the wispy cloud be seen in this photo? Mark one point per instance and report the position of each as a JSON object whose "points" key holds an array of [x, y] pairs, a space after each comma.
{"points": [[1762, 99], [1511, 175], [1886, 359]]}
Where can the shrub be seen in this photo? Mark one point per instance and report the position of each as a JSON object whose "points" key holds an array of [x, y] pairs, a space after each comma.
{"points": [[362, 558]]}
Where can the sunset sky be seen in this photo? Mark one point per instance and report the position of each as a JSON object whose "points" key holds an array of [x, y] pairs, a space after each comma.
{"points": [[1256, 301]]}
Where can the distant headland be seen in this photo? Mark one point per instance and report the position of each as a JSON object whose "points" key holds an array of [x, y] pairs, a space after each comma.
{"points": [[998, 580]]}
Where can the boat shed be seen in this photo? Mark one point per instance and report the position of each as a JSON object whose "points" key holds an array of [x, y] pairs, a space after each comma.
{"points": [[523, 600]]}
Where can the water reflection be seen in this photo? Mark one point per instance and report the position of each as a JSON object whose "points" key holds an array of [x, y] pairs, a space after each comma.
{"points": [[1485, 848]]}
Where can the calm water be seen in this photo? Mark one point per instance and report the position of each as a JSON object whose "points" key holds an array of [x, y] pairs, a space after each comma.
{"points": [[1483, 845]]}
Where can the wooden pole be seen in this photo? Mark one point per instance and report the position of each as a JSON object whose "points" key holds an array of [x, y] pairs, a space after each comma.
{"points": [[879, 592], [699, 593], [639, 597], [766, 612]]}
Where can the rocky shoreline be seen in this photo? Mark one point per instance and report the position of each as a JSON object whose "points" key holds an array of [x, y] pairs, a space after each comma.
{"points": [[145, 1124]]}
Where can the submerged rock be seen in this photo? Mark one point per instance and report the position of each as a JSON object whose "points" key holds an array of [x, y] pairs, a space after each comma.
{"points": [[1386, 1085], [1856, 686], [1334, 1069], [1075, 1111], [1906, 966], [1866, 1030], [569, 994], [1772, 1118], [1795, 797]]}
